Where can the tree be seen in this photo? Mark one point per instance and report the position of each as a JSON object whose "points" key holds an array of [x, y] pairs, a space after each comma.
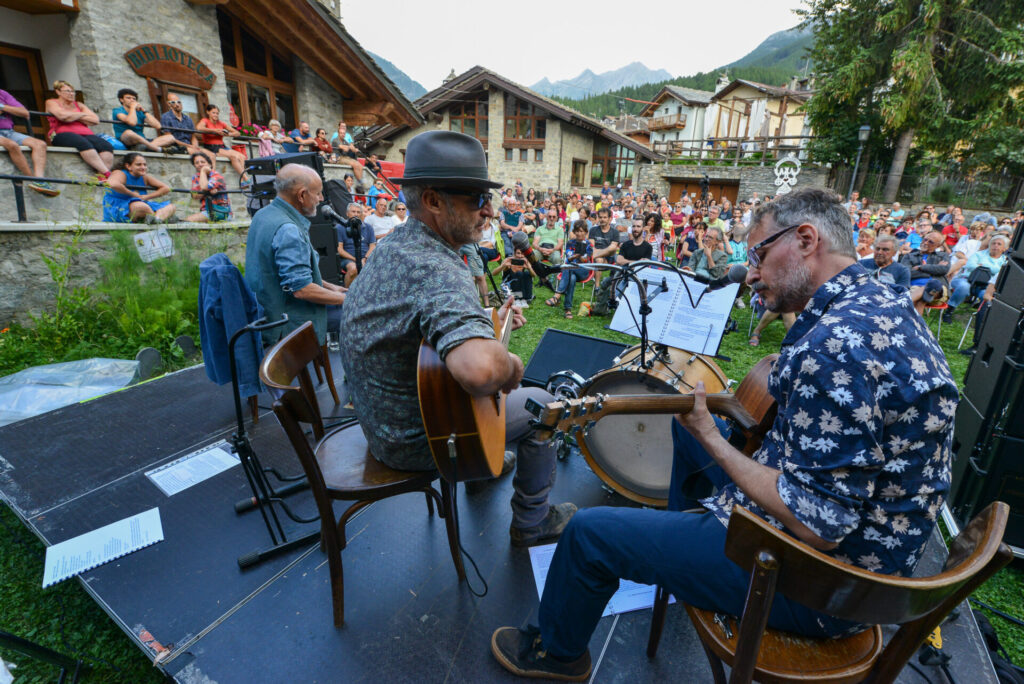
{"points": [[938, 73]]}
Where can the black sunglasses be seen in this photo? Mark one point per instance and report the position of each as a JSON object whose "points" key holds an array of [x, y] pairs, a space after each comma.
{"points": [[752, 254], [482, 198]]}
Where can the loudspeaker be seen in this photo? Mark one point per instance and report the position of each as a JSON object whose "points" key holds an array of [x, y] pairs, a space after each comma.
{"points": [[995, 475], [971, 433], [1017, 244], [999, 350], [559, 350], [1010, 283], [269, 166], [324, 238]]}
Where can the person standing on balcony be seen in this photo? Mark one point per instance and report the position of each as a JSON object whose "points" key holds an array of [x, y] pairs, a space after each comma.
{"points": [[11, 140]]}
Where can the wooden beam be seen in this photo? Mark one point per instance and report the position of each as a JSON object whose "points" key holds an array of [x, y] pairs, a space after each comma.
{"points": [[208, 2], [364, 113]]}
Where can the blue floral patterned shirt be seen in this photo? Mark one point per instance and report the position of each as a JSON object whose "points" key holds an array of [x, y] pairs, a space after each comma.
{"points": [[864, 432]]}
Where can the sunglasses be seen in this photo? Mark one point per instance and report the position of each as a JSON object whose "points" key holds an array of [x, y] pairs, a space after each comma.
{"points": [[482, 198], [753, 254]]}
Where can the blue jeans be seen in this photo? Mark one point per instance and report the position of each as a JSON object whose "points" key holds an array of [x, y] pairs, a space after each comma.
{"points": [[567, 284], [959, 289], [683, 552]]}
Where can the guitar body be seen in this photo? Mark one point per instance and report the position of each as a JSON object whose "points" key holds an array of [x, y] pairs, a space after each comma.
{"points": [[478, 423]]}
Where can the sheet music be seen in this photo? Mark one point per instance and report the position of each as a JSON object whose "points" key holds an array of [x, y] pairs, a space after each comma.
{"points": [[630, 596], [193, 468], [673, 319], [92, 549]]}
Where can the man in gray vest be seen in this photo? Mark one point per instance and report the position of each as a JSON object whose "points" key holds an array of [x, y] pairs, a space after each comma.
{"points": [[281, 266]]}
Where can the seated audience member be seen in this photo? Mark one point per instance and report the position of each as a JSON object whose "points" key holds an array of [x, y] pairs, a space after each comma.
{"points": [[380, 221], [69, 127], [131, 119], [375, 191], [967, 246], [402, 214], [130, 197], [897, 212], [655, 234], [637, 248], [710, 260], [967, 282], [549, 238], [883, 267], [273, 139], [208, 187], [11, 140], [301, 139], [579, 250], [865, 241], [179, 125], [322, 144], [510, 221], [347, 151], [689, 241], [373, 164], [604, 240], [518, 274], [213, 131], [347, 244], [928, 268], [955, 229]]}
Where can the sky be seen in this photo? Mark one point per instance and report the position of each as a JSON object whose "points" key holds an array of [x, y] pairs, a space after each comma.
{"points": [[526, 40]]}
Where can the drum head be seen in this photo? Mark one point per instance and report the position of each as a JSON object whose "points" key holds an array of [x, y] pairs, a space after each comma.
{"points": [[631, 453]]}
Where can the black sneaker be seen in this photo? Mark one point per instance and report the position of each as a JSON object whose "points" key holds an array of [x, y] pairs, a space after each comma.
{"points": [[549, 529], [520, 652], [969, 351], [947, 316]]}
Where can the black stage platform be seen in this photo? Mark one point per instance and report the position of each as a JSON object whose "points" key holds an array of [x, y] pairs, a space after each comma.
{"points": [[188, 606]]}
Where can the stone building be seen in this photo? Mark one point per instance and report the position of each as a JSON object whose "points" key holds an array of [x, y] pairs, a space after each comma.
{"points": [[266, 59], [534, 140], [677, 114]]}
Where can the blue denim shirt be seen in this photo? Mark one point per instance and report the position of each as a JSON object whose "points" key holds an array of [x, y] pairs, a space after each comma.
{"points": [[863, 436], [226, 304]]}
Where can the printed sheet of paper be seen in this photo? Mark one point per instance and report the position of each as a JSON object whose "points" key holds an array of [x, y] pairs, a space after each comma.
{"points": [[154, 244], [179, 475], [684, 317], [92, 549], [630, 596]]}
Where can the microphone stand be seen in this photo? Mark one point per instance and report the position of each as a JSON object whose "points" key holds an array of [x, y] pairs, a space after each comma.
{"points": [[355, 231]]}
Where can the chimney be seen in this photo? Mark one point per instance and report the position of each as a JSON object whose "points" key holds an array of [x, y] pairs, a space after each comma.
{"points": [[449, 77], [723, 80], [794, 82]]}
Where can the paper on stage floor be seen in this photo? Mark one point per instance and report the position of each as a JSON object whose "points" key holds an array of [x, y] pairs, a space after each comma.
{"points": [[92, 549], [193, 468], [630, 596]]}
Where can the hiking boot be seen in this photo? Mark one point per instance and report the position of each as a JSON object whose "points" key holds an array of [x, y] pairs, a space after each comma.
{"points": [[549, 529], [520, 652], [947, 316], [43, 188]]}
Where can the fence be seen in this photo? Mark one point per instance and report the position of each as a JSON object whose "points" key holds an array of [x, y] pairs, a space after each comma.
{"points": [[757, 151], [979, 190]]}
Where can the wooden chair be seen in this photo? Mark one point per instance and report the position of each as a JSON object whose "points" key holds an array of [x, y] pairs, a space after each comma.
{"points": [[780, 562], [340, 467]]}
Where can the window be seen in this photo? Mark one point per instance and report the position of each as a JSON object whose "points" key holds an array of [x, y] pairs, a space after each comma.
{"points": [[612, 162], [470, 118], [538, 155], [508, 154], [524, 155], [21, 74], [260, 81], [579, 172], [524, 122]]}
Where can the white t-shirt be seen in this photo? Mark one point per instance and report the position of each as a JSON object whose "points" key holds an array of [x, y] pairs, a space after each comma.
{"points": [[382, 225]]}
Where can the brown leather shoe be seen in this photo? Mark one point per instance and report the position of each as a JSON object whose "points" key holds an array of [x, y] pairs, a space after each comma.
{"points": [[549, 529], [521, 652]]}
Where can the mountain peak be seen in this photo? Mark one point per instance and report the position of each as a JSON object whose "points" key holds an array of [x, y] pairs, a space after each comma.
{"points": [[589, 83]]}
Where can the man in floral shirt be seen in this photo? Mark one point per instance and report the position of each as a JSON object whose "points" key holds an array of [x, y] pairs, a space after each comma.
{"points": [[856, 463]]}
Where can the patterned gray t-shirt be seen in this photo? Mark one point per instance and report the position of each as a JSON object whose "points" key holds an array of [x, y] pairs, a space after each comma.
{"points": [[414, 287]]}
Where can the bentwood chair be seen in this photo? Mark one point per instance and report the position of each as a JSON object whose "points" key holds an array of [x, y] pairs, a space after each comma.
{"points": [[340, 466], [778, 562]]}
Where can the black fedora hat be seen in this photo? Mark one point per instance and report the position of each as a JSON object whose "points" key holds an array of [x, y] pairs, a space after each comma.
{"points": [[446, 159]]}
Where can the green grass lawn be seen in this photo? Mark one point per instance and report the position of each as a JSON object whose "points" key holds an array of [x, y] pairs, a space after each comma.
{"points": [[66, 619]]}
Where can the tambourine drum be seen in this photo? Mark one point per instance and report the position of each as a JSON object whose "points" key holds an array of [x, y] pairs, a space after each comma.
{"points": [[632, 454]]}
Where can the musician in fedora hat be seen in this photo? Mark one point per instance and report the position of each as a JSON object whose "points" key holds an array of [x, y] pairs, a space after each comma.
{"points": [[415, 287]]}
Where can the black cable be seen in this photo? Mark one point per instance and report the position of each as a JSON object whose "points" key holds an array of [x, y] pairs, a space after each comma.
{"points": [[919, 671], [1006, 616], [458, 532], [949, 675]]}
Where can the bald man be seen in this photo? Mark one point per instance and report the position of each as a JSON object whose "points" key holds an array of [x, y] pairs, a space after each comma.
{"points": [[282, 267]]}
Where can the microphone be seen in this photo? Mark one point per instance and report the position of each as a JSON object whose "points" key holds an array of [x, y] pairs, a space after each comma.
{"points": [[328, 213], [521, 242], [736, 274]]}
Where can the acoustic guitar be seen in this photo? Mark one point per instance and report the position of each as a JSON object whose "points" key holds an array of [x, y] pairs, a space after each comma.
{"points": [[751, 409], [475, 426]]}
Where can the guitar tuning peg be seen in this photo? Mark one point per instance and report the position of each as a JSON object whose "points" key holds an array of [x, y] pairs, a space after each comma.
{"points": [[575, 430], [588, 427]]}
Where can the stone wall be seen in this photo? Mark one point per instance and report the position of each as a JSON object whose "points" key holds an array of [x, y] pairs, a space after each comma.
{"points": [[26, 287], [105, 29], [319, 104], [576, 144], [85, 203], [751, 179]]}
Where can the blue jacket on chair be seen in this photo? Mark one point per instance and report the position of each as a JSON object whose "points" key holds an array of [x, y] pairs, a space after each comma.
{"points": [[226, 304]]}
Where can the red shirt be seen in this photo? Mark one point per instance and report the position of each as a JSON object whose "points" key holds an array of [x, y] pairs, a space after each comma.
{"points": [[212, 138], [953, 233]]}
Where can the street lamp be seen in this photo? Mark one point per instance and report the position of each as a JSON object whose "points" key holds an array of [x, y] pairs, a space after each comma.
{"points": [[863, 133]]}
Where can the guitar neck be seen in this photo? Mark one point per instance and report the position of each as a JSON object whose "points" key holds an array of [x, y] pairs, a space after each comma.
{"points": [[722, 403]]}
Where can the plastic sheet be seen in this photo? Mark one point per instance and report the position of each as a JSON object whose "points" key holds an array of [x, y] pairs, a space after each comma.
{"points": [[40, 389]]}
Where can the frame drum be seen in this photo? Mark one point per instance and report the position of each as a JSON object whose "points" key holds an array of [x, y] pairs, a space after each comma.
{"points": [[632, 454]]}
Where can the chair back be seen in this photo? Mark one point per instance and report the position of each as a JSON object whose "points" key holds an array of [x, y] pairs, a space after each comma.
{"points": [[824, 584]]}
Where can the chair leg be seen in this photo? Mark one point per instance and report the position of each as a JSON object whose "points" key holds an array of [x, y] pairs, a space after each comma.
{"points": [[329, 544], [715, 663], [430, 504], [451, 524], [967, 326], [657, 621], [254, 408], [329, 374]]}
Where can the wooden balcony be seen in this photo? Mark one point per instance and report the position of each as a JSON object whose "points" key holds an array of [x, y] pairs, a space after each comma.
{"points": [[734, 151], [660, 123]]}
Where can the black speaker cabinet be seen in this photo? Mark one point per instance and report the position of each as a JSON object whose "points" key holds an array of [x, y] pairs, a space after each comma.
{"points": [[972, 431], [324, 238], [559, 351], [999, 351], [1010, 283], [997, 475], [267, 167]]}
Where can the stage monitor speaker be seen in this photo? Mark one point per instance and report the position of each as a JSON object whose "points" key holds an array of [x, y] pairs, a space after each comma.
{"points": [[1010, 283], [997, 474], [263, 167], [999, 355], [559, 350], [972, 431], [1017, 244]]}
